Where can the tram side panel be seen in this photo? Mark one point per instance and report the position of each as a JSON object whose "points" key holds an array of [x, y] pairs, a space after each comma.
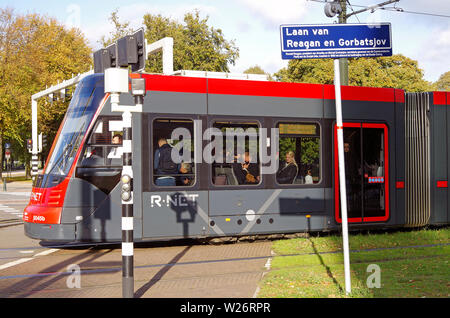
{"points": [[267, 207], [440, 129], [364, 109], [97, 214], [172, 211], [399, 153], [448, 162]]}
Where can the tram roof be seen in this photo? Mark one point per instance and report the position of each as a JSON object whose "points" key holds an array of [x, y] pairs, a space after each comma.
{"points": [[236, 84]]}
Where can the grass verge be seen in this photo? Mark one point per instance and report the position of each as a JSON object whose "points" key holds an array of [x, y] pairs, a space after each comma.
{"points": [[410, 264]]}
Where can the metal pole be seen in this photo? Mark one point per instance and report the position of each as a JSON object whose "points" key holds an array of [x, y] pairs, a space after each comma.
{"points": [[342, 186], [343, 61], [127, 210]]}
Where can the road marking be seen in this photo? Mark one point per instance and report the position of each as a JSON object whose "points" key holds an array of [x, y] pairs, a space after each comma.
{"points": [[268, 263], [46, 252], [26, 252], [14, 263], [25, 194], [7, 209], [24, 260]]}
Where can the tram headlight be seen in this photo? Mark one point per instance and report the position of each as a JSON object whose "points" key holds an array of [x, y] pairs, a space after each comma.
{"points": [[138, 86]]}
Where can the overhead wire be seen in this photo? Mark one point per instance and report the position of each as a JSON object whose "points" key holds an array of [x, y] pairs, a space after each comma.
{"points": [[393, 9]]}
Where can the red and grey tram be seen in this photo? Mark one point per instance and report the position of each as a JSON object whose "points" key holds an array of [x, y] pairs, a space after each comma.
{"points": [[396, 158]]}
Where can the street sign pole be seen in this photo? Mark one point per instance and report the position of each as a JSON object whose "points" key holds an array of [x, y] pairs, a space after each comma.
{"points": [[342, 185], [337, 41]]}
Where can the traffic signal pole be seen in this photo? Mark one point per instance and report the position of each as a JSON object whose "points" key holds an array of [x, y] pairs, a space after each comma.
{"points": [[127, 209]]}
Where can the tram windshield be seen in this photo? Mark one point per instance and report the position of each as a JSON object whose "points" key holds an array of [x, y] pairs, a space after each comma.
{"points": [[80, 112]]}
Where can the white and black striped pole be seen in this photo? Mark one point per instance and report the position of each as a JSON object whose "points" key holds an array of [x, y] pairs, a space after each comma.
{"points": [[127, 210], [116, 82], [138, 91], [34, 166]]}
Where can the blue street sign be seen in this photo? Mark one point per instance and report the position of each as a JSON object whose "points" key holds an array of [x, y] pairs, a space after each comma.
{"points": [[7, 145], [335, 41]]}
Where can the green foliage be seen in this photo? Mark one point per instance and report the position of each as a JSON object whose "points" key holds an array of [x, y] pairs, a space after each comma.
{"points": [[196, 45], [313, 267], [286, 144], [310, 151], [314, 71], [120, 29], [443, 83], [35, 52], [395, 71], [256, 69]]}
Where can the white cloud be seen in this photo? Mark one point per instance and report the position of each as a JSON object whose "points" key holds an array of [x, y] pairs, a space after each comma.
{"points": [[134, 14], [274, 13], [433, 53]]}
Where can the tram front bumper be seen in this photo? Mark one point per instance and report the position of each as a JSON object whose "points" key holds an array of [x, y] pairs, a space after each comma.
{"points": [[50, 232]]}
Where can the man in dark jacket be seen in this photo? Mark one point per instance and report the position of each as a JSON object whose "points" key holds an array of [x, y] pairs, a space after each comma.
{"points": [[163, 164]]}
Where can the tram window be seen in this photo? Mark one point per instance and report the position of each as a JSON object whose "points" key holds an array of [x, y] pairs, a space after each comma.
{"points": [[101, 163], [235, 154], [104, 146], [299, 149], [173, 152]]}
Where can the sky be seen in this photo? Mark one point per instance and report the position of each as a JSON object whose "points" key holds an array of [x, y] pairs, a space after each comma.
{"points": [[254, 25]]}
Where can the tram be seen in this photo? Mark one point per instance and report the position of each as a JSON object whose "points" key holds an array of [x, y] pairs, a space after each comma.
{"points": [[396, 155]]}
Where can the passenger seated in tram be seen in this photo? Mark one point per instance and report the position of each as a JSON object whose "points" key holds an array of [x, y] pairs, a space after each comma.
{"points": [[164, 166], [308, 177], [185, 168], [246, 172], [288, 172], [116, 152]]}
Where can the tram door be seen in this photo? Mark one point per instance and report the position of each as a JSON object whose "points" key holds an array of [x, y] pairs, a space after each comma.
{"points": [[366, 172]]}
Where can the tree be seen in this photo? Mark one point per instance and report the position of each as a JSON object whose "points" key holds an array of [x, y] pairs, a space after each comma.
{"points": [[258, 70], [395, 71], [120, 29], [35, 52], [196, 45], [443, 83], [255, 70]]}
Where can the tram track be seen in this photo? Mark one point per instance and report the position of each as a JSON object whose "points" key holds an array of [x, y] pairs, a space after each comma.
{"points": [[87, 270], [93, 249], [141, 283]]}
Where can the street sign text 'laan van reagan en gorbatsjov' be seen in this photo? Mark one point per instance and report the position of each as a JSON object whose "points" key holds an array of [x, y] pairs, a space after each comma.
{"points": [[335, 41]]}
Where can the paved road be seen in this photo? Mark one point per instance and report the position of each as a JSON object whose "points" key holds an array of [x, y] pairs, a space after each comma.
{"points": [[186, 271], [29, 268], [13, 201]]}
